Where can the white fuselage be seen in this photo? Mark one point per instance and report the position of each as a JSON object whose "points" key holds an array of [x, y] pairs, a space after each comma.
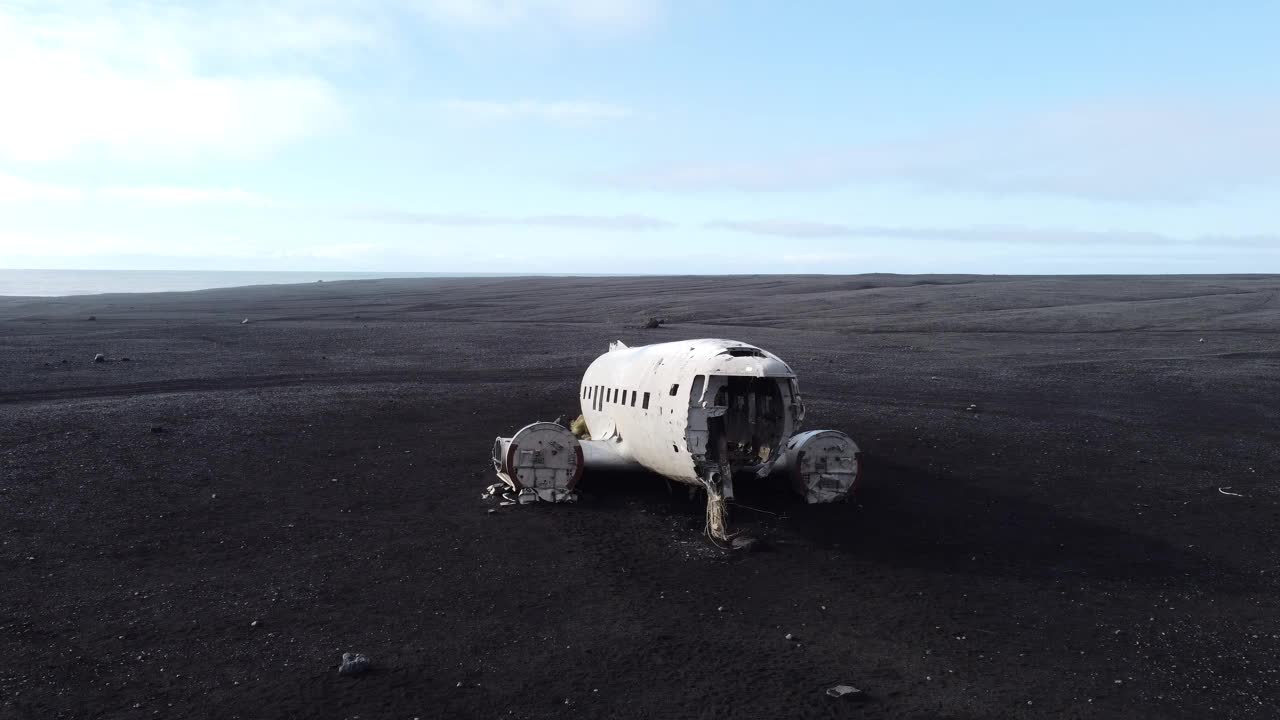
{"points": [[692, 410]]}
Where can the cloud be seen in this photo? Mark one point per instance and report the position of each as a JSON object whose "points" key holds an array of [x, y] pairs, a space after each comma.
{"points": [[77, 246], [14, 190], [173, 195], [623, 223], [590, 15], [783, 228], [72, 246], [562, 112], [134, 79], [179, 81], [1119, 151], [990, 234]]}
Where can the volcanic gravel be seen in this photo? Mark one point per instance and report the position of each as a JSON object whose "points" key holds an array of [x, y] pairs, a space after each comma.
{"points": [[204, 530]]}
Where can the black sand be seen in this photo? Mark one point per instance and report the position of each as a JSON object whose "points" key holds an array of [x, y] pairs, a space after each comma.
{"points": [[1066, 551]]}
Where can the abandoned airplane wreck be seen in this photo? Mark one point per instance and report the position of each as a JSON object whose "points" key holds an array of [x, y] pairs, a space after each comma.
{"points": [[699, 412]]}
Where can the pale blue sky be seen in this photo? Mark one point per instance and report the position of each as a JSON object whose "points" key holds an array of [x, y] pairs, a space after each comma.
{"points": [[637, 136]]}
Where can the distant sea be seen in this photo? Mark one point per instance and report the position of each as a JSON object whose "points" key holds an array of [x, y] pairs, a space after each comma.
{"points": [[51, 283]]}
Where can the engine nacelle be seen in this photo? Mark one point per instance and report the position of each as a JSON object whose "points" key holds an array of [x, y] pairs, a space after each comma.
{"points": [[821, 465], [542, 457]]}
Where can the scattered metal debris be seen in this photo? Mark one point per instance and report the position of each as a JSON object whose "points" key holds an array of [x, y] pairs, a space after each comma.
{"points": [[1225, 491], [524, 496]]}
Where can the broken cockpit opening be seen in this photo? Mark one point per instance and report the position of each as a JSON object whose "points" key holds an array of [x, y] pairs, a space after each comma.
{"points": [[739, 421]]}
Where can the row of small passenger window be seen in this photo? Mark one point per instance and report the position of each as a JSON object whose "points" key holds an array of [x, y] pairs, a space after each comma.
{"points": [[602, 395]]}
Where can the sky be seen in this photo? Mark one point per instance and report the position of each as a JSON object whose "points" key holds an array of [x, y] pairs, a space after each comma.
{"points": [[640, 136]]}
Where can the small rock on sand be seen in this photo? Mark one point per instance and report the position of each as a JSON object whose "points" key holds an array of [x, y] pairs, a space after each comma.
{"points": [[353, 664], [99, 358], [843, 691]]}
